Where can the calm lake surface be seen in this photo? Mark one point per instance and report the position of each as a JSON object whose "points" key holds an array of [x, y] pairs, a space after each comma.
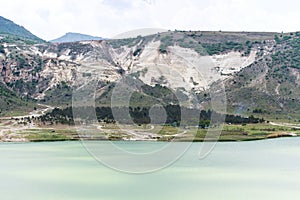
{"points": [[268, 169]]}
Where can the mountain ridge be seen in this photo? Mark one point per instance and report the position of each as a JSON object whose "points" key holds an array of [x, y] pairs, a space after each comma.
{"points": [[260, 71], [9, 27]]}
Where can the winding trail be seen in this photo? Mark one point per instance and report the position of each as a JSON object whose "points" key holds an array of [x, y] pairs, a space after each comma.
{"points": [[142, 135], [9, 126], [286, 125], [35, 113]]}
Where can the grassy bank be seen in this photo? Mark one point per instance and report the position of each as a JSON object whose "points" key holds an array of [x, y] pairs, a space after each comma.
{"points": [[247, 132]]}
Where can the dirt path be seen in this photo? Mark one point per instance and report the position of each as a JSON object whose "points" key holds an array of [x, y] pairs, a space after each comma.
{"points": [[35, 113], [144, 134], [286, 125], [9, 126]]}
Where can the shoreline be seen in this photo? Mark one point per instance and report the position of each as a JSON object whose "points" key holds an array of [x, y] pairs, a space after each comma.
{"points": [[20, 130], [164, 141]]}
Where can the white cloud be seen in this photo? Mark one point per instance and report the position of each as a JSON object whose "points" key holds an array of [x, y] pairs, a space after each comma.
{"points": [[106, 18]]}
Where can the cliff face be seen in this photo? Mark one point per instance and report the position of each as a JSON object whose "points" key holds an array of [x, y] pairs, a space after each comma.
{"points": [[252, 64]]}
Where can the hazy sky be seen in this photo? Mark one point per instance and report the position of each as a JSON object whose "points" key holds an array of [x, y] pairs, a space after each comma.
{"points": [[50, 19]]}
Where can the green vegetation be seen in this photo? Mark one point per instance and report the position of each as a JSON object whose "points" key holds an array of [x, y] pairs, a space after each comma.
{"points": [[244, 132], [141, 115], [2, 49], [146, 96], [12, 39], [10, 103], [212, 43], [289, 55], [160, 92], [233, 133], [166, 41], [8, 27], [270, 86], [22, 87], [59, 95], [219, 48], [267, 88], [41, 135], [76, 48], [137, 52], [202, 42], [129, 42]]}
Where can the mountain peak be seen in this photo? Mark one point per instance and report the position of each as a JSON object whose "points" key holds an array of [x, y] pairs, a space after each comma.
{"points": [[75, 37]]}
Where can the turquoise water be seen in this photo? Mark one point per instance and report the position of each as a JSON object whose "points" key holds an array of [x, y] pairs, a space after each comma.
{"points": [[64, 170]]}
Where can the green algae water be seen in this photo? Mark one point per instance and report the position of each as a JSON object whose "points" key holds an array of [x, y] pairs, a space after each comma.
{"points": [[258, 170]]}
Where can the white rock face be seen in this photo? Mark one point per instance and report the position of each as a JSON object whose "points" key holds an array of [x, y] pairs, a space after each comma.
{"points": [[184, 68], [57, 72], [179, 68], [232, 62], [50, 54]]}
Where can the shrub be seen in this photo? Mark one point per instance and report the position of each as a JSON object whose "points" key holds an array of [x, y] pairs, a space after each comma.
{"points": [[2, 49]]}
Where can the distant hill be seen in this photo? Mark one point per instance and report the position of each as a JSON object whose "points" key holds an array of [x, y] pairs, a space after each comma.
{"points": [[75, 37], [9, 27]]}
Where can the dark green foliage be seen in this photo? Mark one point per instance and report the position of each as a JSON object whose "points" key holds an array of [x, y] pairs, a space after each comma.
{"points": [[212, 43], [288, 56], [146, 96], [137, 52], [76, 48], [59, 95], [39, 65], [62, 116], [165, 42], [279, 93], [259, 111], [10, 101], [277, 39], [22, 87], [140, 115], [25, 62], [233, 119], [163, 49], [284, 63], [12, 39], [218, 48], [121, 71], [130, 42], [204, 123], [2, 49], [192, 44], [157, 91]]}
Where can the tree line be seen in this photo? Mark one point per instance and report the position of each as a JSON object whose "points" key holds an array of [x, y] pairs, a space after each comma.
{"points": [[169, 115]]}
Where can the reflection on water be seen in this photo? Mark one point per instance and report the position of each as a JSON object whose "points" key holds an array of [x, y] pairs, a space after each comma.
{"points": [[64, 170]]}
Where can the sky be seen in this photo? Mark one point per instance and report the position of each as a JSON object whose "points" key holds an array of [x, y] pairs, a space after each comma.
{"points": [[50, 19]]}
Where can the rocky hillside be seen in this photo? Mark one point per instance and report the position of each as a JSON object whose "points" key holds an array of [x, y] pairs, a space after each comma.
{"points": [[270, 84], [259, 70]]}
